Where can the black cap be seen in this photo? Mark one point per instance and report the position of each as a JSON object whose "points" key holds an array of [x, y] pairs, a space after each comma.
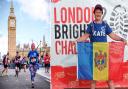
{"points": [[98, 6]]}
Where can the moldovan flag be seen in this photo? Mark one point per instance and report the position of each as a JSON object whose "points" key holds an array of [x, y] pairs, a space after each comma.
{"points": [[95, 60]]}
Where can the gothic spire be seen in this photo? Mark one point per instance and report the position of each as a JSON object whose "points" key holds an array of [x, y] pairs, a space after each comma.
{"points": [[11, 7]]}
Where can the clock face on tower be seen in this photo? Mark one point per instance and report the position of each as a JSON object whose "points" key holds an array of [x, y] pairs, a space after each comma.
{"points": [[12, 23]]}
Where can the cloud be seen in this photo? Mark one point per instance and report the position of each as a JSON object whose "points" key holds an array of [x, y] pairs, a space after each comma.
{"points": [[37, 9], [4, 45], [0, 34], [3, 41]]}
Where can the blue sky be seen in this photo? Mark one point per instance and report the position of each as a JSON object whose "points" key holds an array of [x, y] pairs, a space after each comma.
{"points": [[32, 18]]}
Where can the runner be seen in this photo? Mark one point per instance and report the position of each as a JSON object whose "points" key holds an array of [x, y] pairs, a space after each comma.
{"points": [[33, 62], [47, 62], [5, 63], [24, 63], [17, 64]]}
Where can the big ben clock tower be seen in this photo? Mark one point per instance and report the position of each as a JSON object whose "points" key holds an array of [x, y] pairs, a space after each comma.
{"points": [[12, 32]]}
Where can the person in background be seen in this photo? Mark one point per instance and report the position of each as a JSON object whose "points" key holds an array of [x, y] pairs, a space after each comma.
{"points": [[17, 64], [97, 31], [47, 62], [5, 63], [24, 63], [42, 61]]}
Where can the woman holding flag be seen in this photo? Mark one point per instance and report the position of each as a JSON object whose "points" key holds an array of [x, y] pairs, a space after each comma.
{"points": [[97, 31]]}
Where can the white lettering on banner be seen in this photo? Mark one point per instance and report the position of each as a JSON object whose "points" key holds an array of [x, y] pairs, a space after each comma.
{"points": [[73, 83], [125, 76], [59, 75]]}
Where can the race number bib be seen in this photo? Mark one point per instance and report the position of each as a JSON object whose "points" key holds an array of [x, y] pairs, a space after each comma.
{"points": [[33, 60]]}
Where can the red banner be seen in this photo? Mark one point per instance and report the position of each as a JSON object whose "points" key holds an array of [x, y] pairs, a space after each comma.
{"points": [[66, 77]]}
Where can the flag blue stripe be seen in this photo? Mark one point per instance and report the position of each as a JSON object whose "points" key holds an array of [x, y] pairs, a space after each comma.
{"points": [[85, 61]]}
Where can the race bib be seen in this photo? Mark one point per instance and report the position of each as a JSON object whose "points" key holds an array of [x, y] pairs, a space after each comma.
{"points": [[33, 60]]}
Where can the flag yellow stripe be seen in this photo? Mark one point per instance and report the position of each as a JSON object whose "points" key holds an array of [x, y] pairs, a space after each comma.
{"points": [[100, 60]]}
